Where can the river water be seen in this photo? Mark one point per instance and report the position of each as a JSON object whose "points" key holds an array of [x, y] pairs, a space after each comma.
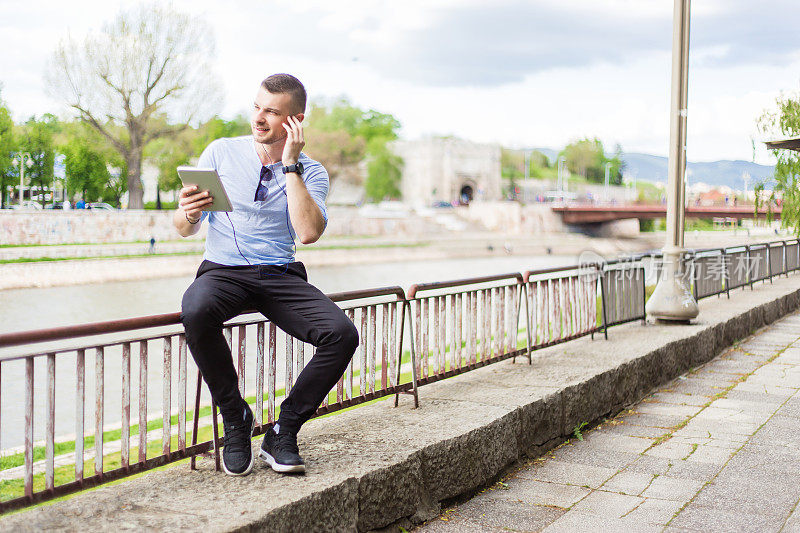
{"points": [[26, 309]]}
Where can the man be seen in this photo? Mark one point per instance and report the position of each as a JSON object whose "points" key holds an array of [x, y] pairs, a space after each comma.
{"points": [[277, 193]]}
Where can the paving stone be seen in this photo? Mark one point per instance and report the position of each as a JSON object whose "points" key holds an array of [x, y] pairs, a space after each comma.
{"points": [[655, 421], [652, 512], [673, 488], [620, 443], [755, 397], [733, 367], [748, 406], [650, 465], [791, 408], [455, 524], [607, 504], [669, 409], [711, 454], [623, 428], [745, 497], [699, 388], [508, 515], [540, 493], [708, 519], [766, 388], [726, 414], [792, 524], [569, 473], [718, 432], [694, 470], [586, 454], [577, 522], [724, 443], [625, 482], [676, 398], [717, 426], [777, 434], [671, 449], [772, 459]]}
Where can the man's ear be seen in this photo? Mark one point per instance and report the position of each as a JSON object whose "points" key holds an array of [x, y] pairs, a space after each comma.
{"points": [[300, 116]]}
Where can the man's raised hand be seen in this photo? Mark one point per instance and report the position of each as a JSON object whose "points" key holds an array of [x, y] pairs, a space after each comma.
{"points": [[294, 141]]}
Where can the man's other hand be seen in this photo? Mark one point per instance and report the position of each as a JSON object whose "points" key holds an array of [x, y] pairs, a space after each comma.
{"points": [[192, 202]]}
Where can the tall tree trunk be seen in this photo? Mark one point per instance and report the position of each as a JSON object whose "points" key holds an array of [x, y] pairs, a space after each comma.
{"points": [[135, 188]]}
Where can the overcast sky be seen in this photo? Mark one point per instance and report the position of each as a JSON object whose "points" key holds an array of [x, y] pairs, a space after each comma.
{"points": [[521, 73]]}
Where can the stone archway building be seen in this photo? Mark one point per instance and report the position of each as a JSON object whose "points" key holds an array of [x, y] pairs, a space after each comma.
{"points": [[448, 170]]}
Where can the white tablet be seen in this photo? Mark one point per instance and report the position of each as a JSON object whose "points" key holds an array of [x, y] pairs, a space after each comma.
{"points": [[207, 179]]}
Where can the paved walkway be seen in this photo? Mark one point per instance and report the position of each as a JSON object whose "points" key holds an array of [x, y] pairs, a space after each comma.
{"points": [[714, 450]]}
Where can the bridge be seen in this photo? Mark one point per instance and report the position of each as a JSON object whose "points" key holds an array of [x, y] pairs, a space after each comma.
{"points": [[593, 214]]}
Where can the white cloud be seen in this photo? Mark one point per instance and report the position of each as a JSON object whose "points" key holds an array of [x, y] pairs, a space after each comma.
{"points": [[521, 73]]}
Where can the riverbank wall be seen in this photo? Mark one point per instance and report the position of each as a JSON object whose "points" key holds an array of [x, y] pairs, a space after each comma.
{"points": [[22, 228]]}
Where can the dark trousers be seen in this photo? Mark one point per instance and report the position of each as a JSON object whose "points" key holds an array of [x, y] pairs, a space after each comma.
{"points": [[284, 296]]}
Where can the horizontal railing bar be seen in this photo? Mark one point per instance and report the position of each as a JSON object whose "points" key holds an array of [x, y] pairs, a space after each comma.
{"points": [[86, 330], [368, 293], [419, 287], [152, 321], [554, 270]]}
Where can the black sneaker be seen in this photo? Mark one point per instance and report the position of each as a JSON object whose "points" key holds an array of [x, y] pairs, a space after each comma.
{"points": [[237, 453], [280, 451]]}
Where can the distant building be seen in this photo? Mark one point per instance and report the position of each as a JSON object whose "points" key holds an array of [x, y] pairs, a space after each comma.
{"points": [[448, 170]]}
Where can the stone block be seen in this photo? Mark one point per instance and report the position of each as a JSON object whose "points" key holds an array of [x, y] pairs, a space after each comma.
{"points": [[587, 401], [540, 422], [388, 494], [331, 509], [772, 311], [452, 467], [464, 463]]}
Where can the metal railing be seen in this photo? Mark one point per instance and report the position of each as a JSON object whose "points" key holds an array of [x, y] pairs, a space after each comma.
{"points": [[452, 327], [464, 324], [709, 273], [562, 304], [622, 293]]}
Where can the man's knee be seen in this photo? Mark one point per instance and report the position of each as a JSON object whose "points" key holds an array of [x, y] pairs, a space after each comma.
{"points": [[345, 334], [196, 310]]}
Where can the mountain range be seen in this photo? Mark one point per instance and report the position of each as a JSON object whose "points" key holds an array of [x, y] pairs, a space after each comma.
{"points": [[653, 168]]}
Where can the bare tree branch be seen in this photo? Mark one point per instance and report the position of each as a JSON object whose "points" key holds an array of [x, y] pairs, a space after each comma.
{"points": [[148, 62]]}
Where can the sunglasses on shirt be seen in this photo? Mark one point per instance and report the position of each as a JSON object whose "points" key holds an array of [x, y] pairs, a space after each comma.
{"points": [[263, 184]]}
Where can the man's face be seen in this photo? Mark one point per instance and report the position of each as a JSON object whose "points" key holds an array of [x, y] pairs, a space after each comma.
{"points": [[270, 111]]}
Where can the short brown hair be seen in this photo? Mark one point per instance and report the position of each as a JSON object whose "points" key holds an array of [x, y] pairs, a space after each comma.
{"points": [[287, 84]]}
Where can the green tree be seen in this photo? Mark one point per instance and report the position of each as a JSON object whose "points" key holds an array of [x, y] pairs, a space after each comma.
{"points": [[8, 147], [216, 128], [780, 122], [587, 158], [342, 135], [87, 173], [384, 171], [36, 138]]}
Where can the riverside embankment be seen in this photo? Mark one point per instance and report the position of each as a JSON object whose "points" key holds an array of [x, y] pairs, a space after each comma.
{"points": [[377, 466], [77, 264]]}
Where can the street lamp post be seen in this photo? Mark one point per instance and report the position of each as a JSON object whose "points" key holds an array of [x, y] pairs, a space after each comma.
{"points": [[561, 163], [24, 159], [605, 190], [672, 300]]}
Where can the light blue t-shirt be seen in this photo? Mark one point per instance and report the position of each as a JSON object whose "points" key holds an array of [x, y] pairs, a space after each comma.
{"points": [[259, 231]]}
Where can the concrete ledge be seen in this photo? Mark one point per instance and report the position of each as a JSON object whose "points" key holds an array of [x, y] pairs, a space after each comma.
{"points": [[375, 466]]}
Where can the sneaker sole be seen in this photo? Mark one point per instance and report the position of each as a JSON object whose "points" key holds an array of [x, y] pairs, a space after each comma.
{"points": [[283, 469], [252, 457]]}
